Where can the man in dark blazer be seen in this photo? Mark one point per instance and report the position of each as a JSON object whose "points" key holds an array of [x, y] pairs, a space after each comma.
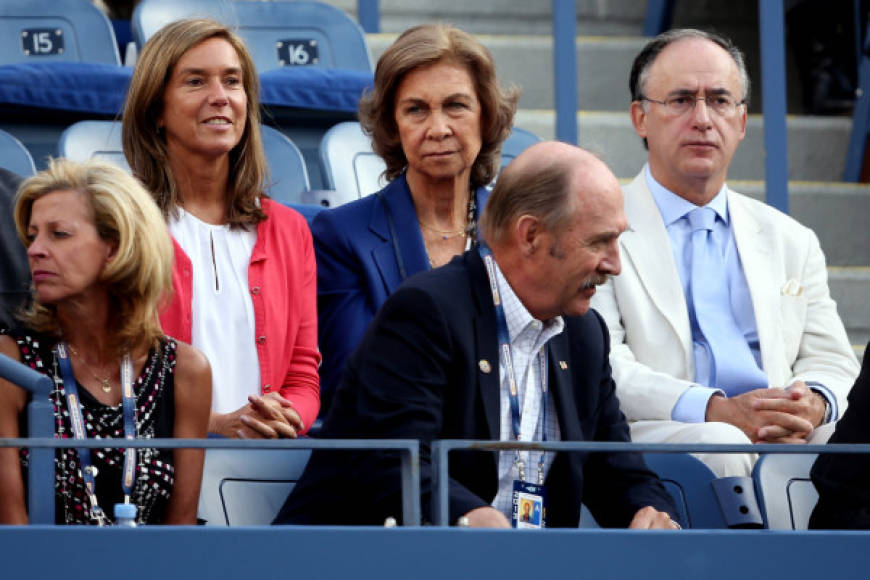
{"points": [[14, 271], [843, 480], [429, 366]]}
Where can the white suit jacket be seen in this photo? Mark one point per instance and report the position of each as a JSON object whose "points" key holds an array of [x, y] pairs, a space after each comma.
{"points": [[800, 333]]}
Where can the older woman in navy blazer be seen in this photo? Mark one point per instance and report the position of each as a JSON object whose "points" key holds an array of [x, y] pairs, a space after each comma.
{"points": [[437, 116]]}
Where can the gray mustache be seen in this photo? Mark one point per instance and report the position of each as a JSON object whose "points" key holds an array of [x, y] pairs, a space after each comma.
{"points": [[595, 280]]}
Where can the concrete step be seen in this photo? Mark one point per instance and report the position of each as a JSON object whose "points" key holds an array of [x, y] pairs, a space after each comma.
{"points": [[598, 17], [817, 145], [850, 288], [620, 17], [836, 212], [603, 64], [609, 37]]}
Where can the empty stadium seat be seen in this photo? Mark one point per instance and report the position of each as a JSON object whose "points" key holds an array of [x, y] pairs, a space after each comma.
{"points": [[785, 491], [353, 170], [516, 143], [703, 500], [247, 487], [93, 139], [288, 174], [102, 139], [55, 30], [349, 165], [278, 34], [14, 156]]}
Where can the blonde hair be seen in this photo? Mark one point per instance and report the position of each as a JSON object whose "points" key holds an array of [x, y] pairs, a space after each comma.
{"points": [[145, 145], [140, 275], [421, 46]]}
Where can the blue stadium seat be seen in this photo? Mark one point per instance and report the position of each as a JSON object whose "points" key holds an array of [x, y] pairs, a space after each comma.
{"points": [[288, 174], [349, 165], [102, 139], [247, 487], [277, 33], [55, 31], [516, 143], [703, 500], [785, 491], [93, 139], [353, 170], [14, 156]]}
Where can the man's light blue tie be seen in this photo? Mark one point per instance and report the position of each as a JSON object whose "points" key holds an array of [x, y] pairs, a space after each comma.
{"points": [[732, 366]]}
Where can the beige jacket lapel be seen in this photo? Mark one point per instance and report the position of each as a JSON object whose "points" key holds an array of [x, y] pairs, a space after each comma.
{"points": [[759, 257], [647, 245]]}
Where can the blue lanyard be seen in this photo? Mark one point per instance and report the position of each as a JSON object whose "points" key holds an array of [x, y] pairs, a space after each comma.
{"points": [[504, 346], [89, 471]]}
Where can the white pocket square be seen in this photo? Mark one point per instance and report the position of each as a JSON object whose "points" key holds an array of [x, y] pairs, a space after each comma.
{"points": [[792, 288]]}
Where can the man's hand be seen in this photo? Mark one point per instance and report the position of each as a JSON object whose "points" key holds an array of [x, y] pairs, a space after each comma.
{"points": [[759, 414], [269, 416], [649, 518], [487, 517], [801, 402]]}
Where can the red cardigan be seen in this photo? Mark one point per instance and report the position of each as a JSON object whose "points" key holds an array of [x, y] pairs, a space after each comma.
{"points": [[283, 285]]}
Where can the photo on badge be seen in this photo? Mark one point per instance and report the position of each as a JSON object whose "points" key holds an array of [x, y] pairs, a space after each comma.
{"points": [[530, 507]]}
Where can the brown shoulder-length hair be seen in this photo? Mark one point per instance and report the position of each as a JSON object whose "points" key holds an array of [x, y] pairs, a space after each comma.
{"points": [[424, 45], [145, 144], [139, 277]]}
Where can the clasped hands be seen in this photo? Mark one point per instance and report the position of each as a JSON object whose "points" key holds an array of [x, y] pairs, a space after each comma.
{"points": [[268, 416], [772, 415]]}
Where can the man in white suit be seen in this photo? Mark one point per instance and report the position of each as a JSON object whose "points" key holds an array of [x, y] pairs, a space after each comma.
{"points": [[750, 349]]}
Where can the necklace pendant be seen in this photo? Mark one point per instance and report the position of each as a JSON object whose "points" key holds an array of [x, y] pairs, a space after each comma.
{"points": [[107, 388]]}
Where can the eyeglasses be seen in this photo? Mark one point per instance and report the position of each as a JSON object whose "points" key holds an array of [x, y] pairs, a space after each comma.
{"points": [[722, 105]]}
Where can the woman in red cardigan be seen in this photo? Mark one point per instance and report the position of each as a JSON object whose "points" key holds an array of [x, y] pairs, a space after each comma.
{"points": [[244, 277]]}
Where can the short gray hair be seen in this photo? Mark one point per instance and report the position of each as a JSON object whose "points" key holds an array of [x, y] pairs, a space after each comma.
{"points": [[644, 60]]}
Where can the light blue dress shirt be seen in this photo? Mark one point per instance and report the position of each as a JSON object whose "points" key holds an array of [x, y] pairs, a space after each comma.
{"points": [[691, 407]]}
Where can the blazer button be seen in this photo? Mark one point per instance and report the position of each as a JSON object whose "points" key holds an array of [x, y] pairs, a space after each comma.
{"points": [[255, 290], [267, 388], [261, 339]]}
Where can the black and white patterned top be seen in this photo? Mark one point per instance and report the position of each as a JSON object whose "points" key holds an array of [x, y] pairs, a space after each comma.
{"points": [[155, 473]]}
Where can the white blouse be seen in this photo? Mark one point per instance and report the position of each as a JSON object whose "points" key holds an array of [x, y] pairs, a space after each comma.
{"points": [[223, 315]]}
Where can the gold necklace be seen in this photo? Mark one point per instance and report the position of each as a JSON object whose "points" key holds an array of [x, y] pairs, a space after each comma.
{"points": [[445, 234], [105, 382], [467, 229]]}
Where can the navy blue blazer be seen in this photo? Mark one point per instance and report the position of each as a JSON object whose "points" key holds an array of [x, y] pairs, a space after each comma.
{"points": [[357, 268], [417, 374]]}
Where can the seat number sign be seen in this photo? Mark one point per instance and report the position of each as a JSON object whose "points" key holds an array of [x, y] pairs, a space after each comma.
{"points": [[42, 41], [294, 52]]}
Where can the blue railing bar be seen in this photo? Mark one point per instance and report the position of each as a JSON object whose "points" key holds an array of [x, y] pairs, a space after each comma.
{"points": [[659, 14], [410, 477], [612, 446], [772, 32], [368, 14], [40, 423], [565, 69], [440, 450], [40, 471], [24, 376], [440, 482], [861, 116], [410, 445]]}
